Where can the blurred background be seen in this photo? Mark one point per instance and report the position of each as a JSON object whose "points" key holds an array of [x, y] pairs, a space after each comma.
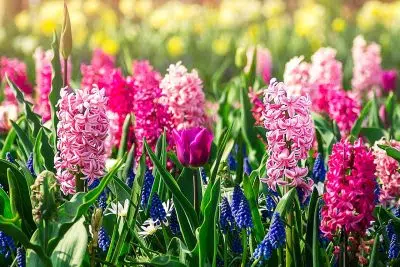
{"points": [[204, 33]]}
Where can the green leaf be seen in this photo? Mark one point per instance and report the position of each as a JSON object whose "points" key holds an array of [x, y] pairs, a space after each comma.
{"points": [[125, 136], [8, 142], [5, 206], [71, 211], [167, 261], [372, 134], [391, 152], [173, 187], [208, 236], [185, 182], [285, 203], [358, 124], [185, 226], [312, 208], [32, 117], [128, 163], [251, 197], [71, 249], [315, 237], [26, 142], [374, 120], [56, 85], [373, 258], [20, 199], [250, 76], [220, 151], [38, 161], [120, 190]]}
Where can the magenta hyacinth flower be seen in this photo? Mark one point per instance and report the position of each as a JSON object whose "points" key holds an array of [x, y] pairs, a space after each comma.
{"points": [[82, 131], [350, 185], [290, 136], [193, 146], [389, 80]]}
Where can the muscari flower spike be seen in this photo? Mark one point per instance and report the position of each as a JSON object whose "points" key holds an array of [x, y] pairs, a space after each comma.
{"points": [[319, 170], [243, 216], [157, 211], [226, 219], [102, 198], [394, 247], [104, 239], [174, 223], [29, 165], [21, 259], [7, 245], [236, 243], [246, 166], [131, 178], [203, 175], [231, 162], [146, 189], [10, 157]]}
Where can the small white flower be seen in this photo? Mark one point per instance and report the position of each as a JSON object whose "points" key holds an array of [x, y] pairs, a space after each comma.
{"points": [[119, 209], [320, 188], [149, 228], [168, 207]]}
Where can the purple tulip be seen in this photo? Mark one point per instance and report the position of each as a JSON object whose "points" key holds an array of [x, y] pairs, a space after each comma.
{"points": [[193, 146], [389, 79]]}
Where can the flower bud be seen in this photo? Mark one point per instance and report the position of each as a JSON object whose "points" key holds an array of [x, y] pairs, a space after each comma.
{"points": [[240, 57], [66, 35]]}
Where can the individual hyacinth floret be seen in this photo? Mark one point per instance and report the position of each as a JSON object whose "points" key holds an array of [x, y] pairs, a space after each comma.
{"points": [[290, 136], [182, 92], [82, 131], [350, 186]]}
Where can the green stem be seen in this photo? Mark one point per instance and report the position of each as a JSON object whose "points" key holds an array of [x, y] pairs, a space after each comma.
{"points": [[113, 240], [244, 256], [196, 203], [79, 183], [255, 262], [65, 72], [289, 241], [225, 251], [165, 234]]}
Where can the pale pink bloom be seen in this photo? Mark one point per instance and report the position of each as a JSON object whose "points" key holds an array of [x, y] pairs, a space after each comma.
{"points": [[290, 136], [387, 173], [8, 111], [366, 68], [264, 62], [182, 92], [325, 68], [350, 185], [82, 130], [297, 77]]}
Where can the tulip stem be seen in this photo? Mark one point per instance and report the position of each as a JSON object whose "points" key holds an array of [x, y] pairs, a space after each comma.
{"points": [[65, 72], [195, 193]]}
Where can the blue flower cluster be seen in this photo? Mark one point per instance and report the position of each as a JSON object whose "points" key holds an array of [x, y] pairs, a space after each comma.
{"points": [[21, 259], [102, 199], [29, 165], [203, 175], [226, 219], [319, 170], [146, 189], [9, 157], [131, 178], [7, 245], [104, 239], [157, 211], [174, 223], [241, 209]]}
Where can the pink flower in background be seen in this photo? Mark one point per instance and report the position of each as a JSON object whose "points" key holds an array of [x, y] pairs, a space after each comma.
{"points": [[16, 72], [100, 59], [389, 80], [264, 62], [43, 81], [387, 173], [98, 71], [350, 185], [8, 111], [151, 117], [325, 69], [193, 146], [339, 105], [258, 106], [182, 92], [297, 77], [290, 136], [82, 131], [366, 68]]}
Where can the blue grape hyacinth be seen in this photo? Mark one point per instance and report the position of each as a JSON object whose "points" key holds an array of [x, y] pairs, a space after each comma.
{"points": [[21, 259], [246, 166], [10, 157], [146, 189], [319, 170], [102, 198], [131, 178], [7, 245], [226, 219], [29, 165], [174, 223], [157, 211], [231, 162], [104, 239]]}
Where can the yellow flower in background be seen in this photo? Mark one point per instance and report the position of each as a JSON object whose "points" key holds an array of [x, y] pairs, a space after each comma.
{"points": [[109, 18], [80, 34], [310, 21], [144, 8], [277, 23], [375, 13], [338, 25], [253, 33], [127, 7], [175, 46], [96, 39], [221, 45], [239, 12], [48, 26], [22, 21], [110, 46], [273, 8], [92, 7]]}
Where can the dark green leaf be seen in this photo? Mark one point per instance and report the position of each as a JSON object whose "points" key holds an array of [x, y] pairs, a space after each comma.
{"points": [[358, 124], [250, 195]]}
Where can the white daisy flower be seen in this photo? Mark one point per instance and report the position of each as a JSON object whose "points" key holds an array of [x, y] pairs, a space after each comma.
{"points": [[149, 228], [119, 209], [168, 207]]}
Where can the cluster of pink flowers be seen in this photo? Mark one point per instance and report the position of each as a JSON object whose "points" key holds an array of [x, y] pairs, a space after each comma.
{"points": [[264, 62], [338, 104], [82, 131], [387, 173], [366, 68], [297, 77], [151, 117], [16, 72], [325, 69], [349, 197], [98, 71], [290, 137], [182, 92]]}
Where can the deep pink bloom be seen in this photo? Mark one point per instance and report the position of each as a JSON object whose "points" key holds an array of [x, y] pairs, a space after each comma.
{"points": [[290, 136], [264, 62], [82, 131], [366, 68], [193, 146], [338, 104], [98, 71], [151, 117], [387, 173], [100, 59], [182, 92], [325, 69], [16, 72], [297, 77], [389, 80], [258, 106], [350, 185]]}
